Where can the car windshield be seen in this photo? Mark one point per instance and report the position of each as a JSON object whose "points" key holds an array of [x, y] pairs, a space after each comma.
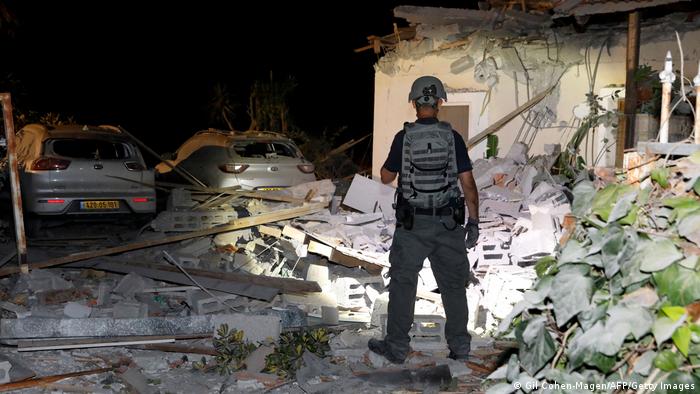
{"points": [[264, 149], [90, 149]]}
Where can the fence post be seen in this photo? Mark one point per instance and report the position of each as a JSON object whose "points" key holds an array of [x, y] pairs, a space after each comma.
{"points": [[667, 77]]}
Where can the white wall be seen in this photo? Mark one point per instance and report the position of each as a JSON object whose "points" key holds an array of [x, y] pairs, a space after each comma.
{"points": [[391, 107]]}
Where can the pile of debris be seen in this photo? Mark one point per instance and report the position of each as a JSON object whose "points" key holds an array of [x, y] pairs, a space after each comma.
{"points": [[265, 264], [523, 210]]}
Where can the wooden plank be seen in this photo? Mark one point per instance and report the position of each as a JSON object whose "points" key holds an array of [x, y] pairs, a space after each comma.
{"points": [[286, 285], [83, 343], [271, 231], [25, 384], [176, 348], [321, 249], [294, 233], [172, 274], [351, 261], [504, 120], [234, 225]]}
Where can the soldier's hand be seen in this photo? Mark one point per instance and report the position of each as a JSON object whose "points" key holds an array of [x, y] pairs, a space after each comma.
{"points": [[472, 232]]}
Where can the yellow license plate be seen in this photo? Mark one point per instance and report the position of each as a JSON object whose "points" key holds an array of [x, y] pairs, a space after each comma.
{"points": [[99, 205], [269, 189]]}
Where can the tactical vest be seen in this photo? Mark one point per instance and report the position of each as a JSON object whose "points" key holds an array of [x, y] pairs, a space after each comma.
{"points": [[428, 165]]}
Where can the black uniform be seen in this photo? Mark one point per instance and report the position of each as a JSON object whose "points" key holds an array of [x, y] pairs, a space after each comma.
{"points": [[442, 241]]}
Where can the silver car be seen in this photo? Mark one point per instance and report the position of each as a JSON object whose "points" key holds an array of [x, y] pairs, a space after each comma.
{"points": [[80, 170], [251, 160]]}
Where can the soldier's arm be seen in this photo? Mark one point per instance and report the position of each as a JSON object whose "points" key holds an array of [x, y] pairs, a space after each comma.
{"points": [[471, 194], [387, 176]]}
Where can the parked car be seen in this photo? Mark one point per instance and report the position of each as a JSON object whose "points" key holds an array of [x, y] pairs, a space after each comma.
{"points": [[252, 160], [83, 170]]}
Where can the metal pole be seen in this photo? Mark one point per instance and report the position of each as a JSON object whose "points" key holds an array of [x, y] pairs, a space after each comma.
{"points": [[667, 77], [14, 182], [696, 82]]}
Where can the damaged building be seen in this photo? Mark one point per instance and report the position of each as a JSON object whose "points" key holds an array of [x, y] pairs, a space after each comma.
{"points": [[242, 284]]}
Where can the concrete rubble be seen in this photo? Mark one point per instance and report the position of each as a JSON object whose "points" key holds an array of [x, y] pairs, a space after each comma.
{"points": [[328, 269]]}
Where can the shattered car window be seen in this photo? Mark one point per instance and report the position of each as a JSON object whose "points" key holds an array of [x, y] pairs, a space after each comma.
{"points": [[90, 149], [257, 149]]}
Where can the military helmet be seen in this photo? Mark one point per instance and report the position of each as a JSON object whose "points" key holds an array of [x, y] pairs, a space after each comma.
{"points": [[427, 90]]}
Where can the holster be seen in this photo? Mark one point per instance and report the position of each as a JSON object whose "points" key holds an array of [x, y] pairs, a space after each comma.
{"points": [[459, 212], [404, 213]]}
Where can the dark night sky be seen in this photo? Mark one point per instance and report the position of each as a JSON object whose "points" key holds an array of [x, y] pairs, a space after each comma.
{"points": [[150, 66]]}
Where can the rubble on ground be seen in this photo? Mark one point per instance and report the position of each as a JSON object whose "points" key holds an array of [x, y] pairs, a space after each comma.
{"points": [[155, 304]]}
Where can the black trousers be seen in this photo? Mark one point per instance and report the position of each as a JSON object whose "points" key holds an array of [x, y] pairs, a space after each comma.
{"points": [[447, 253]]}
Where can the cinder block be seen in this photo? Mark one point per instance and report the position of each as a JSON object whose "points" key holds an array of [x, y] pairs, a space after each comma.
{"points": [[179, 200], [202, 303], [492, 253], [427, 331], [192, 220], [350, 293]]}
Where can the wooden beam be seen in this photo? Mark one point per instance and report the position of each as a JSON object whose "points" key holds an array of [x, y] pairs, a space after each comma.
{"points": [[632, 63], [32, 345], [504, 120], [234, 225], [42, 381], [286, 285]]}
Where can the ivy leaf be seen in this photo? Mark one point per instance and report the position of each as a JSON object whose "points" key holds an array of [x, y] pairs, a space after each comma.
{"points": [[674, 312], [668, 361], [545, 266], [583, 195], [689, 227], [573, 252], [571, 292], [682, 206], [622, 207], [606, 198], [664, 328], [658, 255], [537, 346], [643, 364], [679, 284], [681, 338], [660, 176]]}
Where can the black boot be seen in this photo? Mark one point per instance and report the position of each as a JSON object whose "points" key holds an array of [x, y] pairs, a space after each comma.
{"points": [[381, 348]]}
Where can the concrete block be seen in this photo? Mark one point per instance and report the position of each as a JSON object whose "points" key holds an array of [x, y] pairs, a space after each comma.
{"points": [[329, 315], [203, 303], [290, 316], [492, 253], [233, 237], [256, 328], [195, 247], [45, 280], [318, 273], [427, 331], [133, 283], [75, 310], [129, 310], [350, 293], [180, 200], [5, 367], [255, 362], [192, 220], [518, 153]]}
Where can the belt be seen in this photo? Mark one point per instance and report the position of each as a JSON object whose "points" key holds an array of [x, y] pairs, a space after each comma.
{"points": [[442, 211]]}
